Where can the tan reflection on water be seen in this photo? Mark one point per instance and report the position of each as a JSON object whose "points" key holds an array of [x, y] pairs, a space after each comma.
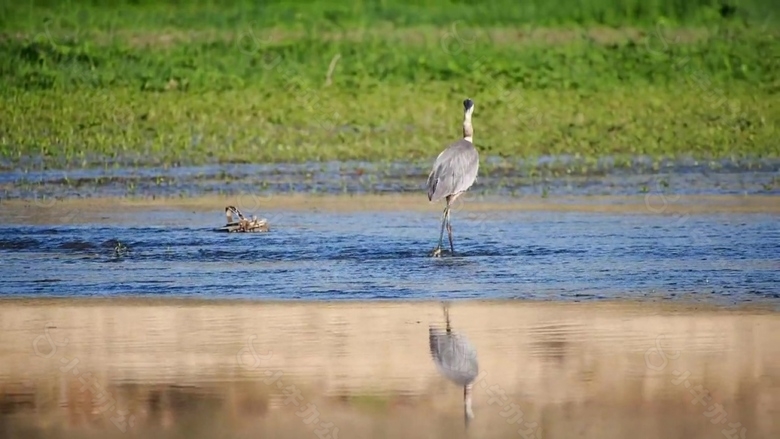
{"points": [[184, 369]]}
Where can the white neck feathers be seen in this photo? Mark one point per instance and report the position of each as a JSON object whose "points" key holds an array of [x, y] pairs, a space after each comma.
{"points": [[468, 130]]}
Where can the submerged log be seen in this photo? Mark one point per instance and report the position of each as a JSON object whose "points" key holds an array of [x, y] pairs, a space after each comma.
{"points": [[243, 224]]}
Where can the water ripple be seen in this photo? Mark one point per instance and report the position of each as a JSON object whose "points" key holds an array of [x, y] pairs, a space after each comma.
{"points": [[528, 255]]}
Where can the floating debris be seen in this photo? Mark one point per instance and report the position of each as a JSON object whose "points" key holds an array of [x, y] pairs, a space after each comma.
{"points": [[242, 224]]}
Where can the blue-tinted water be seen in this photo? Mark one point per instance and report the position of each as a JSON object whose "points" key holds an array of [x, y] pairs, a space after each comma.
{"points": [[726, 259], [498, 177]]}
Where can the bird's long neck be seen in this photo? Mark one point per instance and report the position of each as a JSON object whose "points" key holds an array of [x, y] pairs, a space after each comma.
{"points": [[468, 130]]}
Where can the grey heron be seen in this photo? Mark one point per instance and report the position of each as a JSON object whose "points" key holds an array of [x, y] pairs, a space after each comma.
{"points": [[456, 359], [453, 173]]}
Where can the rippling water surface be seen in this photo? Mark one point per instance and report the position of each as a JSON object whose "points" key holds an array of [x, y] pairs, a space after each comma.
{"points": [[730, 258], [553, 175], [625, 324]]}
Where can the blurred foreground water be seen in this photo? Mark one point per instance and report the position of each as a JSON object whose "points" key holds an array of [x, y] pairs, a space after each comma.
{"points": [[204, 369]]}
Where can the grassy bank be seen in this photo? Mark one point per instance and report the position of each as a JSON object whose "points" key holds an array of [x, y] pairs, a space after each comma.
{"points": [[334, 14], [203, 83]]}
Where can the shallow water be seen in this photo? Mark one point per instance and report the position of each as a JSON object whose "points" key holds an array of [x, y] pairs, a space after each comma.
{"points": [[229, 369], [204, 368], [498, 177], [320, 255]]}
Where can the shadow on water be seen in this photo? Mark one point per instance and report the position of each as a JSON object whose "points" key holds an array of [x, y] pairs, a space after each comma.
{"points": [[198, 369]]}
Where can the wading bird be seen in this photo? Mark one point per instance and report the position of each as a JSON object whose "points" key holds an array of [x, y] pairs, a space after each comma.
{"points": [[453, 173], [456, 359]]}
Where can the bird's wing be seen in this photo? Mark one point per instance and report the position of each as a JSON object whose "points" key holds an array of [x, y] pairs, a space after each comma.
{"points": [[454, 170]]}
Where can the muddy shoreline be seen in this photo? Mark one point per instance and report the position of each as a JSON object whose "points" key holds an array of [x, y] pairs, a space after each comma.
{"points": [[52, 211]]}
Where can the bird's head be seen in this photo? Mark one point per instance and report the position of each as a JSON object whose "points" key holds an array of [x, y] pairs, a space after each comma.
{"points": [[468, 108], [468, 105]]}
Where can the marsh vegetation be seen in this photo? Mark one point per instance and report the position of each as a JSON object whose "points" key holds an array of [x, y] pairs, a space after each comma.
{"points": [[177, 83]]}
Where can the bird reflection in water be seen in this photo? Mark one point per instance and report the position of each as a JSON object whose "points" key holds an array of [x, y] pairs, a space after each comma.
{"points": [[455, 358]]}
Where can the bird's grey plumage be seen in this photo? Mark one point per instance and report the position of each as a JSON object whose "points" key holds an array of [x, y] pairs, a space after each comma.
{"points": [[454, 171]]}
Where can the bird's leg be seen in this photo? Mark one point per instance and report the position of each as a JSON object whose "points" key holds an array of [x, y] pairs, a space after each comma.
{"points": [[449, 233], [437, 250], [444, 216]]}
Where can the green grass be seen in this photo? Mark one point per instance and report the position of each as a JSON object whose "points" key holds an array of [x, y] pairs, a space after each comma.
{"points": [[203, 82], [333, 14]]}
